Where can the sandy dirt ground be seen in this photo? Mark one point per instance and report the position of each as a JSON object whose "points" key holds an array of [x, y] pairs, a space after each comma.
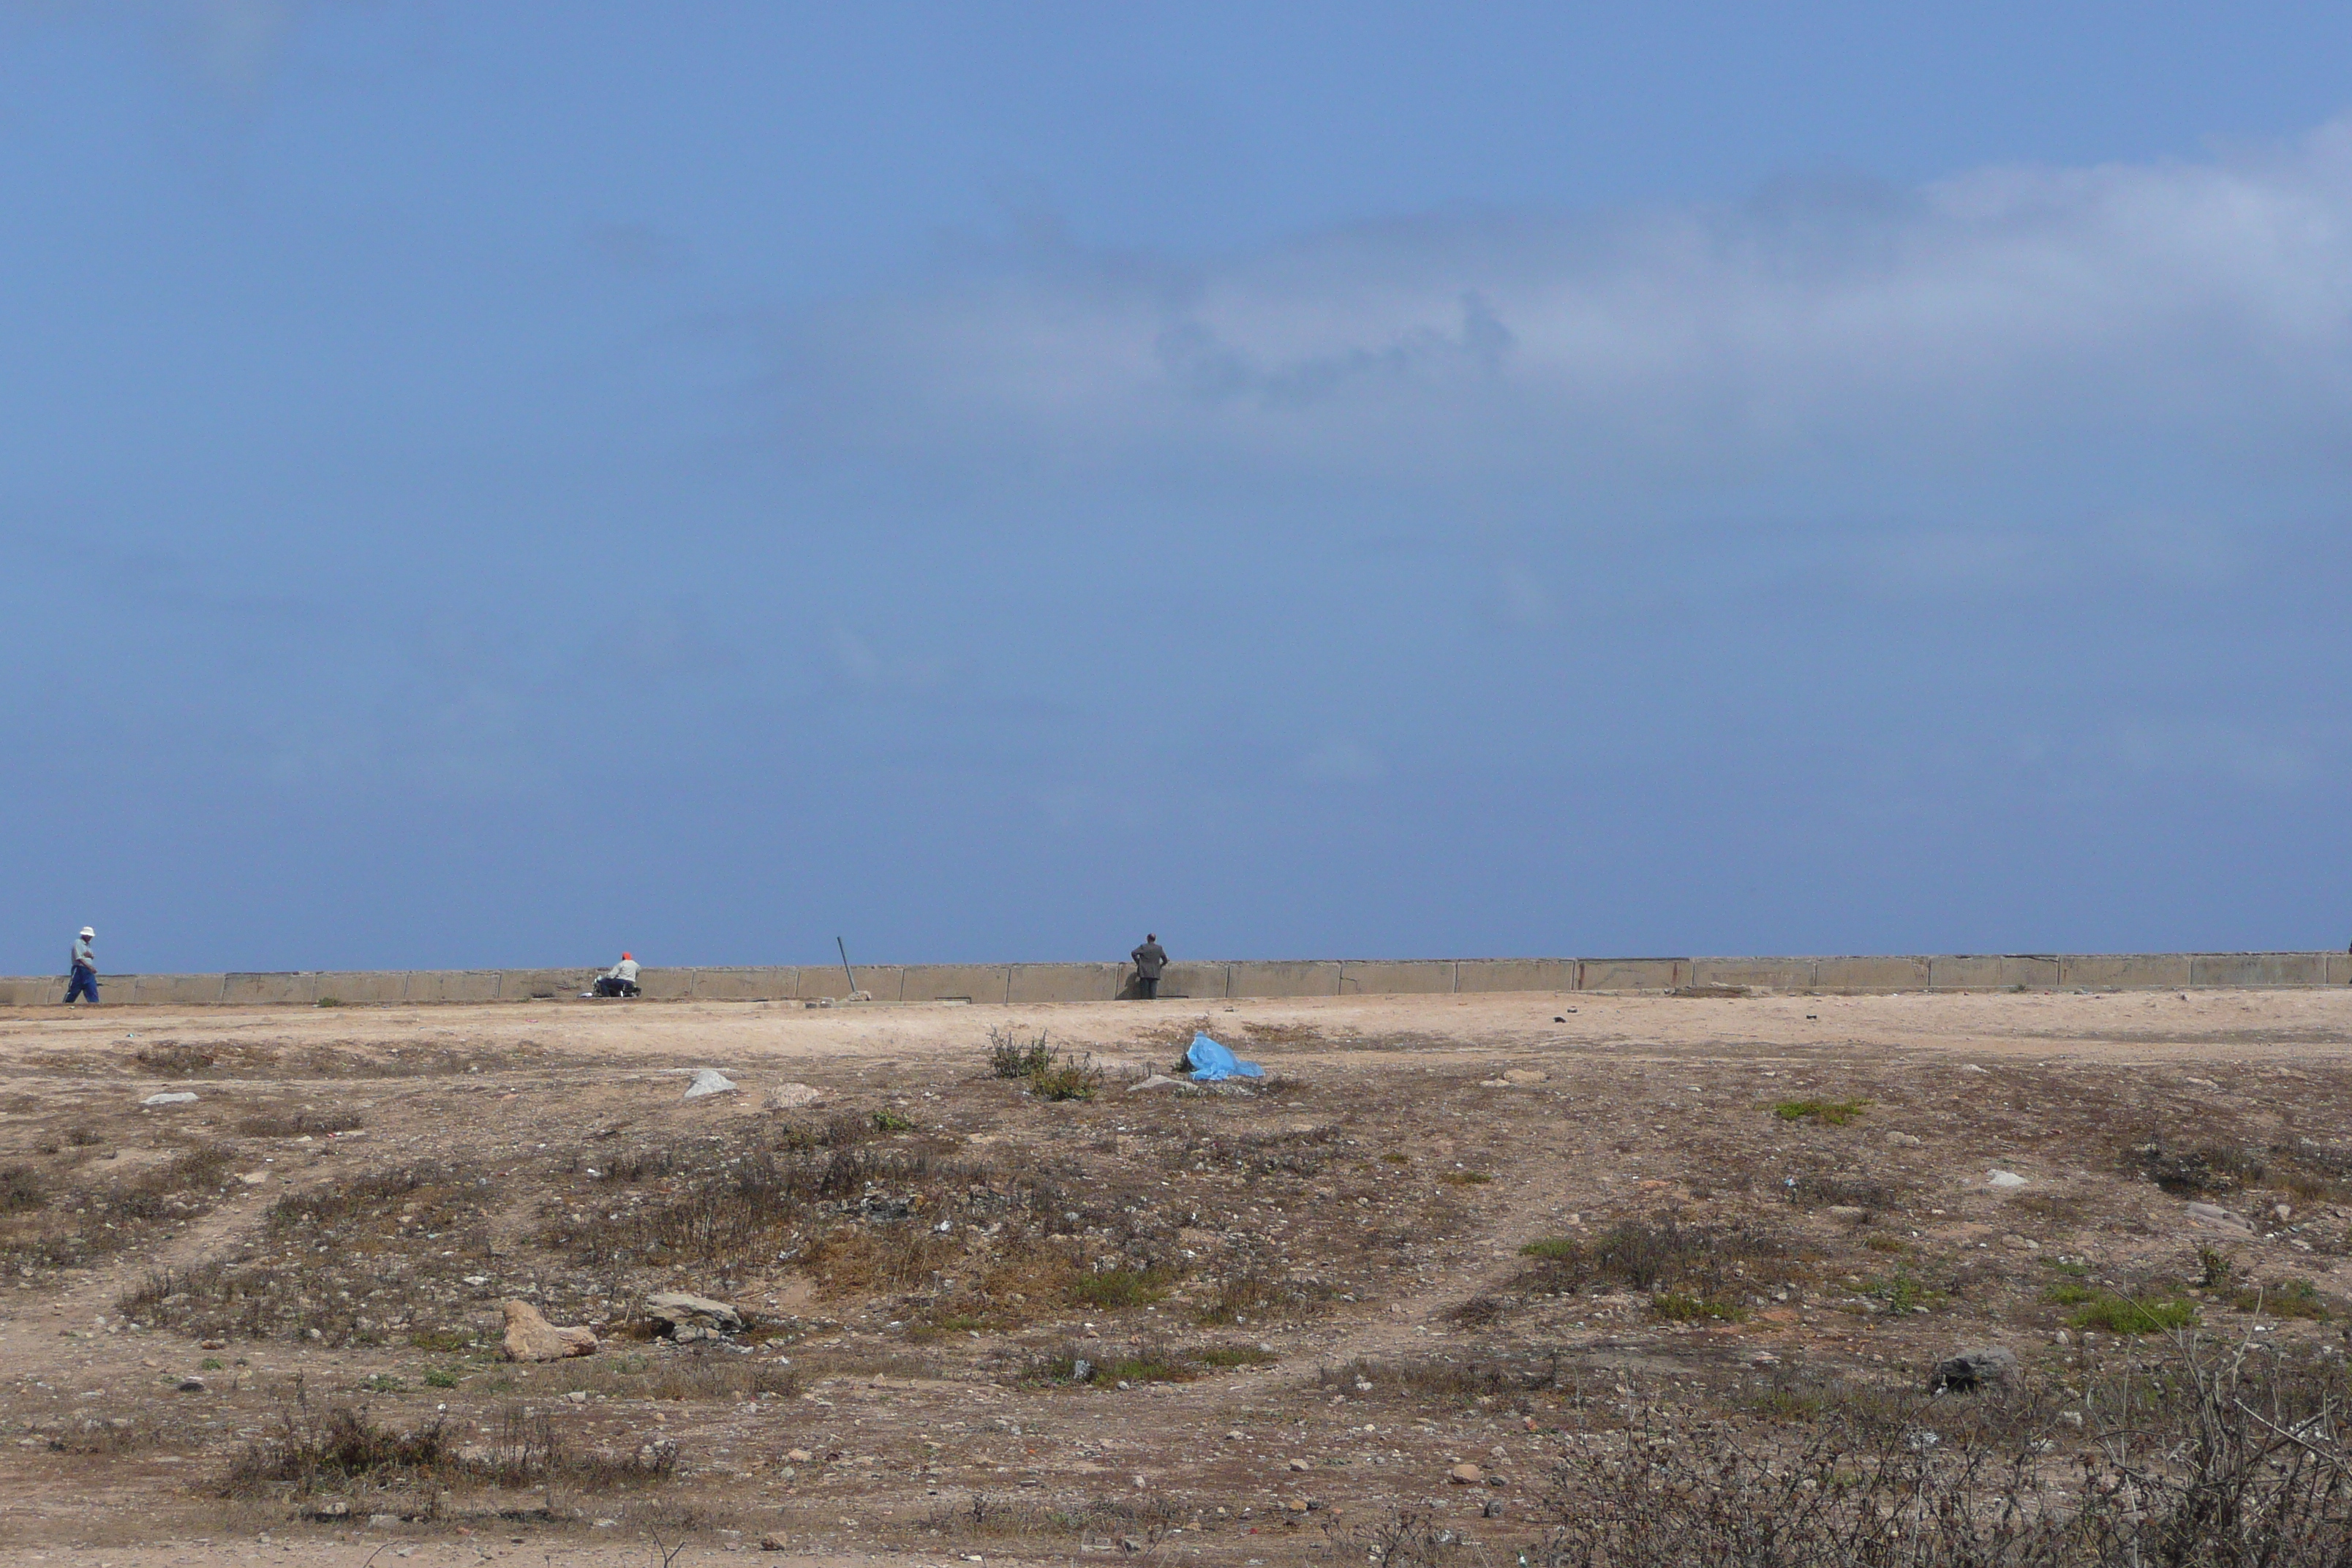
{"points": [[1237, 1326]]}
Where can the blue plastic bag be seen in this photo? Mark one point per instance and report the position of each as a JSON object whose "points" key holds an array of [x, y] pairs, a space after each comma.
{"points": [[1210, 1062]]}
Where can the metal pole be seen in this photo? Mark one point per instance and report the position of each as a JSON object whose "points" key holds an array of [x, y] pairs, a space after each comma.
{"points": [[845, 966]]}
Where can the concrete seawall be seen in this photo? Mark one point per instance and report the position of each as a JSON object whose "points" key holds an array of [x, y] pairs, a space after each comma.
{"points": [[1041, 983]]}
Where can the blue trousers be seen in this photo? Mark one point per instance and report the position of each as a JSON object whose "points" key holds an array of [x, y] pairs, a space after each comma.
{"points": [[83, 984]]}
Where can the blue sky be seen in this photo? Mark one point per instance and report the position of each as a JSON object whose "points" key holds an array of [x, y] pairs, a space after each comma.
{"points": [[490, 485]]}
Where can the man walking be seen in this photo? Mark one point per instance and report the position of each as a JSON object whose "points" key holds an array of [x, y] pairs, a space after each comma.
{"points": [[85, 969], [1150, 959]]}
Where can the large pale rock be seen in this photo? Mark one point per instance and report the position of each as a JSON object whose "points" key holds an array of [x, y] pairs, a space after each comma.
{"points": [[709, 1082], [792, 1095], [679, 1316], [531, 1337]]}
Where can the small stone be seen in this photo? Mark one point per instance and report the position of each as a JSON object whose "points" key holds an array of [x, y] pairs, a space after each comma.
{"points": [[190, 1385], [2072, 1418], [2282, 1212], [2216, 1218], [253, 1178], [1466, 1475], [799, 1456], [578, 1397], [1526, 1075], [171, 1097], [1901, 1140], [212, 1344], [1300, 1465], [2004, 1179], [1974, 1369], [709, 1082], [774, 1543], [792, 1095], [1847, 1212]]}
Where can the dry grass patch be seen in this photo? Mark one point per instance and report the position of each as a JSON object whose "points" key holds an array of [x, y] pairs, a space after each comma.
{"points": [[341, 1449]]}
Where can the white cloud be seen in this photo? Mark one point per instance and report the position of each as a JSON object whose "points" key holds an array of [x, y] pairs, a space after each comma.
{"points": [[2004, 321]]}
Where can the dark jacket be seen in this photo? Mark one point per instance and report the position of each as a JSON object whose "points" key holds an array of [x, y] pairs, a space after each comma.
{"points": [[1150, 959]]}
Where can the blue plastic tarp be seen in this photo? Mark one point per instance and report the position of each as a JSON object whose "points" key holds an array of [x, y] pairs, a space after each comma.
{"points": [[1210, 1062]]}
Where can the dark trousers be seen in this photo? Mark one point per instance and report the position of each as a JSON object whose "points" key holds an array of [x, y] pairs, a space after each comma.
{"points": [[83, 984], [1149, 985], [606, 985]]}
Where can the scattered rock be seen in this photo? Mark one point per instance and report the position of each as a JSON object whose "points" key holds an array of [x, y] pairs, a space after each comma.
{"points": [[333, 1509], [1526, 1075], [709, 1082], [774, 1543], [212, 1344], [2218, 1218], [792, 1095], [2004, 1179], [1976, 1369], [192, 1386], [2282, 1212], [531, 1337], [1157, 1080], [1300, 1465], [1901, 1140], [171, 1097], [684, 1318], [1466, 1475], [1847, 1212], [2020, 1243], [253, 1178], [798, 1456]]}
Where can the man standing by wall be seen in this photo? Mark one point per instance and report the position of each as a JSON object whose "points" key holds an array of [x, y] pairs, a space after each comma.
{"points": [[85, 969], [1150, 959]]}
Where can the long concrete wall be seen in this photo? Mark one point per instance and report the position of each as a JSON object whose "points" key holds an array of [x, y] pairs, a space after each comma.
{"points": [[1038, 982]]}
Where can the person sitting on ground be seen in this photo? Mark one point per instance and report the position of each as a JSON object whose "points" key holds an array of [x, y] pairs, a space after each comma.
{"points": [[1150, 959], [85, 969], [621, 980]]}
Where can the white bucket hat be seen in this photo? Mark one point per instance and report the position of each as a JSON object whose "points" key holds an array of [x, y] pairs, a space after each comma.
{"points": [[87, 931]]}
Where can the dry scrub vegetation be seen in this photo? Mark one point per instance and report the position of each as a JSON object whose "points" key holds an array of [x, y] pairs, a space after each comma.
{"points": [[1637, 1305]]}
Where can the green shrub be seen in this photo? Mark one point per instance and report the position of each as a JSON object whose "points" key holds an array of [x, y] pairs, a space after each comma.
{"points": [[2123, 1315], [441, 1377], [1116, 1287], [2287, 1299], [1009, 1056], [1554, 1246], [1677, 1308], [20, 1188], [1836, 1113], [1066, 1078], [888, 1121]]}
